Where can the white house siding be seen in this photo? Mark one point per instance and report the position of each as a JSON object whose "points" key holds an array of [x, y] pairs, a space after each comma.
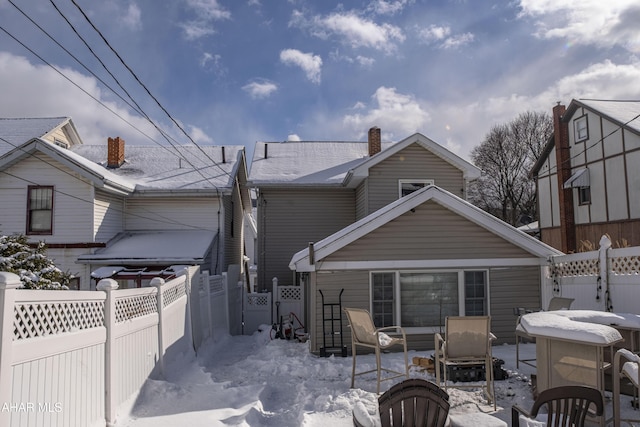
{"points": [[414, 162], [64, 259], [72, 200], [432, 232], [177, 213], [616, 189], [633, 177], [108, 216]]}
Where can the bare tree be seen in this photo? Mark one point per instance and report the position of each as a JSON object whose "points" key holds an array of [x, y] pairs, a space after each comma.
{"points": [[506, 155]]}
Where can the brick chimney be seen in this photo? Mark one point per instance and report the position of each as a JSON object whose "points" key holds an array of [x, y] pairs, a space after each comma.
{"points": [[375, 142], [565, 196], [115, 152]]}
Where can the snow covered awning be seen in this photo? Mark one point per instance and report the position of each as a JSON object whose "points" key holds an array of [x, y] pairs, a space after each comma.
{"points": [[580, 178], [145, 248]]}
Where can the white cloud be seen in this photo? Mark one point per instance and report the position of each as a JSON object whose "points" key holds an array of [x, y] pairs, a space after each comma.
{"points": [[388, 7], [260, 89], [199, 136], [398, 115], [352, 29], [441, 35], [38, 91], [132, 19], [365, 61], [207, 12], [311, 64], [293, 137], [588, 22]]}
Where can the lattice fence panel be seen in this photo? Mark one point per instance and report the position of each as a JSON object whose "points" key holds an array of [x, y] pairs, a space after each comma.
{"points": [[172, 294], [258, 300], [625, 265], [47, 318], [135, 306], [584, 267], [289, 293]]}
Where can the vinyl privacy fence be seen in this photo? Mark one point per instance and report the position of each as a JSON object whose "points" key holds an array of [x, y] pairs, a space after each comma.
{"points": [[69, 358]]}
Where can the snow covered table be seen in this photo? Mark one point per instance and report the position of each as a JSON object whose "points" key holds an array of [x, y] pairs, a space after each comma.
{"points": [[571, 344]]}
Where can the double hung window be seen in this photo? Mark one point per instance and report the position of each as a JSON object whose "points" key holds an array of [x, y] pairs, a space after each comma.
{"points": [[581, 129], [408, 186], [40, 210]]}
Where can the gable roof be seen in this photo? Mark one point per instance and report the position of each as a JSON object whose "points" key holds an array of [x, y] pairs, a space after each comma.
{"points": [[361, 171], [327, 246], [100, 176], [184, 168], [334, 163], [306, 163], [17, 131], [624, 113]]}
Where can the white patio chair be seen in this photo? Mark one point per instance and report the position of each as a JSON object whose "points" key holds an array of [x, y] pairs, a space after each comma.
{"points": [[467, 342], [625, 368], [365, 334], [556, 303]]}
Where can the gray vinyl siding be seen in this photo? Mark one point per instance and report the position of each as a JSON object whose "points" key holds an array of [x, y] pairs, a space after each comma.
{"points": [[234, 230], [183, 213], [356, 295], [72, 199], [289, 219], [512, 287], [431, 232], [414, 162], [108, 216], [361, 200]]}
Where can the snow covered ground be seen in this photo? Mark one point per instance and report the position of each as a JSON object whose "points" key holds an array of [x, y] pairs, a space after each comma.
{"points": [[256, 381]]}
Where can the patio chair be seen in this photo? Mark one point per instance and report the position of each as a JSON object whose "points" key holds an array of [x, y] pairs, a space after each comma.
{"points": [[625, 368], [566, 406], [467, 343], [556, 303], [365, 334], [412, 402]]}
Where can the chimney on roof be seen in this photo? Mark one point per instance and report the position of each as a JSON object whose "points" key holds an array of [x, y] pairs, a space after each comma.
{"points": [[375, 144], [565, 196], [115, 152]]}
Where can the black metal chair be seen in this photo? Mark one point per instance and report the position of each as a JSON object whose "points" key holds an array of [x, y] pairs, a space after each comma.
{"points": [[566, 406], [413, 402]]}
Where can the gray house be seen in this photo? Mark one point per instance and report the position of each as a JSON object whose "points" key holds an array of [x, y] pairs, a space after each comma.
{"points": [[425, 256], [309, 190]]}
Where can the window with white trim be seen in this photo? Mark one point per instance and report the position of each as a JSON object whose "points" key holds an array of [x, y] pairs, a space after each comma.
{"points": [[408, 186], [40, 210], [422, 299], [581, 129], [584, 195]]}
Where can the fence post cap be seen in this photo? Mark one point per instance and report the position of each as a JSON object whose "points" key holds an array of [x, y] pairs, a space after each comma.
{"points": [[605, 241], [9, 280], [107, 285], [157, 281]]}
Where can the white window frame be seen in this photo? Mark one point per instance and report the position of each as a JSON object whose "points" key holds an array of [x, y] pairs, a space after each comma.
{"points": [[398, 303], [584, 195], [581, 128], [425, 183]]}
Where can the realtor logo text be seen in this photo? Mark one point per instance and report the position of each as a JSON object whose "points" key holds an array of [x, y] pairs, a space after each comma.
{"points": [[32, 407]]}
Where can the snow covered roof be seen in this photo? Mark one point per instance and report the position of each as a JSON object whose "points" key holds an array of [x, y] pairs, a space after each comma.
{"points": [[306, 162], [186, 247], [325, 247], [165, 168], [101, 176], [625, 113], [17, 131], [334, 163]]}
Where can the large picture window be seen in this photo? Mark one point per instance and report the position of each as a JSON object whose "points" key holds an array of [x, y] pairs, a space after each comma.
{"points": [[40, 210], [422, 299]]}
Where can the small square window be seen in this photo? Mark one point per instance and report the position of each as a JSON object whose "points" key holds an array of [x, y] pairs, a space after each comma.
{"points": [[581, 129], [584, 195]]}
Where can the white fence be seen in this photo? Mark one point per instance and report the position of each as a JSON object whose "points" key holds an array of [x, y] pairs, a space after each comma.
{"points": [[607, 279], [69, 358]]}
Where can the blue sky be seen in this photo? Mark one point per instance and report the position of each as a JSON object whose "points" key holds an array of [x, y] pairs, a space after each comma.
{"points": [[233, 72]]}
